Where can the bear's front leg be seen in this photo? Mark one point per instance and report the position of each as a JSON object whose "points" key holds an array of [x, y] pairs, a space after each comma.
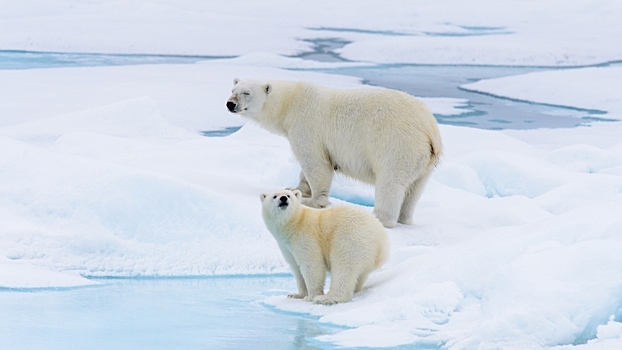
{"points": [[315, 276], [291, 261], [312, 268], [303, 186], [318, 173], [302, 286]]}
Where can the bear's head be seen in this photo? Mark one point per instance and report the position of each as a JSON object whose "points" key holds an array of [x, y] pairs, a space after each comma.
{"points": [[280, 205], [247, 97]]}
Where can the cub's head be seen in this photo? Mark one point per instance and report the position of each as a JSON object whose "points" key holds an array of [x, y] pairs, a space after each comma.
{"points": [[248, 96], [281, 204]]}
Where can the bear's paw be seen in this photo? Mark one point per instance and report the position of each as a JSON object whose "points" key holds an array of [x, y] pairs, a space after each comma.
{"points": [[296, 296], [327, 300], [318, 203]]}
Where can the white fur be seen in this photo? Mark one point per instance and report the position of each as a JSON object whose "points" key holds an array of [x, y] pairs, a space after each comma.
{"points": [[382, 137], [345, 240]]}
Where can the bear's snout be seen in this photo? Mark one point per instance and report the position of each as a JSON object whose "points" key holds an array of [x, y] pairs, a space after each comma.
{"points": [[283, 202], [231, 106]]}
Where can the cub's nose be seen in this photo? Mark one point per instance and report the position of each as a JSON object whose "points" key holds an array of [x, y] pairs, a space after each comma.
{"points": [[231, 106], [283, 199]]}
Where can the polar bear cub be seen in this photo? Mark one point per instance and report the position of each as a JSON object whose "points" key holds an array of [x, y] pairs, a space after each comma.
{"points": [[344, 240], [382, 137]]}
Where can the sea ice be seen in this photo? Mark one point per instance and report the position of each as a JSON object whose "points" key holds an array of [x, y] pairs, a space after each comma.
{"points": [[517, 239]]}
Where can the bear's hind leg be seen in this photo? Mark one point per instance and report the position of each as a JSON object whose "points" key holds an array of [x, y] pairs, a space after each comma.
{"points": [[361, 282], [412, 197], [389, 196], [343, 281]]}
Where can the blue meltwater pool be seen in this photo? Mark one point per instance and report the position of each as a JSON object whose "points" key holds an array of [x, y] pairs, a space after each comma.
{"points": [[173, 313]]}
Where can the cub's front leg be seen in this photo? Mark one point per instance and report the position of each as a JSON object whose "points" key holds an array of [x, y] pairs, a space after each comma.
{"points": [[315, 276], [312, 267], [302, 287]]}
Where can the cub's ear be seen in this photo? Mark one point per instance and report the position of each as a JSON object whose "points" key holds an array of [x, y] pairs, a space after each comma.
{"points": [[236, 81], [263, 196], [267, 88], [298, 194]]}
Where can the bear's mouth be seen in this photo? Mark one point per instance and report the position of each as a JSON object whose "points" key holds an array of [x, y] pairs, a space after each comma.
{"points": [[283, 205]]}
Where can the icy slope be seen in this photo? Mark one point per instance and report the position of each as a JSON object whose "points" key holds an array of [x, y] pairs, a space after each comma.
{"points": [[516, 244]]}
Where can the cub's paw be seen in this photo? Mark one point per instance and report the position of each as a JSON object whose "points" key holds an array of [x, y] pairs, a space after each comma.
{"points": [[312, 297], [296, 296]]}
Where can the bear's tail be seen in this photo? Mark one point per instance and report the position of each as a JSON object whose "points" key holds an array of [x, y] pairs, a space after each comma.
{"points": [[436, 147], [382, 255]]}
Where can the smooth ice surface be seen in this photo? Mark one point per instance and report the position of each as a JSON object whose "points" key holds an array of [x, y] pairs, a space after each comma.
{"points": [[579, 87], [509, 32], [479, 109], [517, 241]]}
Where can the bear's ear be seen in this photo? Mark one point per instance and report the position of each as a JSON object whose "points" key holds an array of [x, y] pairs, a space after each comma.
{"points": [[263, 196], [236, 81], [298, 194], [267, 88]]}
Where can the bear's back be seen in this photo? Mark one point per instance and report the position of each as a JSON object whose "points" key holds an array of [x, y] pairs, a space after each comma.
{"points": [[350, 227]]}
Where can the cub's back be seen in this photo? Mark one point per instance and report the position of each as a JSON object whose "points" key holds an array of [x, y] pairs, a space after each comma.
{"points": [[349, 226], [349, 220]]}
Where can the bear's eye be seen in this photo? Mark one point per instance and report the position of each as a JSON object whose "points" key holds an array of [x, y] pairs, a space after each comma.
{"points": [[246, 93], [288, 196], [274, 197]]}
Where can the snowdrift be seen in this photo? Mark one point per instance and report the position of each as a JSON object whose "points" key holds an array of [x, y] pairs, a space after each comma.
{"points": [[517, 240]]}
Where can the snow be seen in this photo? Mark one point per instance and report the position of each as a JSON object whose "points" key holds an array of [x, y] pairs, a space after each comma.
{"points": [[115, 189], [190, 96], [517, 240], [514, 244], [510, 32], [17, 276]]}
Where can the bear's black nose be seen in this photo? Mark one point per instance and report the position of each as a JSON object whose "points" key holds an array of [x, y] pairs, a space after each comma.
{"points": [[231, 106], [283, 199]]}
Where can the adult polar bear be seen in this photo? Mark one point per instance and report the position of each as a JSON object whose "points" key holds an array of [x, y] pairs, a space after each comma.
{"points": [[382, 137]]}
